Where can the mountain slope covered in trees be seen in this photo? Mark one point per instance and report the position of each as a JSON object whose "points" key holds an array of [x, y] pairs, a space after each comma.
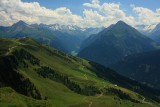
{"points": [[41, 76], [142, 67]]}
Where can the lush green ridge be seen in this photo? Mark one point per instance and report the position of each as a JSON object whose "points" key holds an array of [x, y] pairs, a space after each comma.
{"points": [[58, 79], [10, 98]]}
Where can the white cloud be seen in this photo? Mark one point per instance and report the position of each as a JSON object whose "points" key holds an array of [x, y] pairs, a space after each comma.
{"points": [[5, 19], [63, 11], [112, 12], [93, 18], [93, 4], [112, 9], [13, 10], [94, 14], [108, 13], [146, 16]]}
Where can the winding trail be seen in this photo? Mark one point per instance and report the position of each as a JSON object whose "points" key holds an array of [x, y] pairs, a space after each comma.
{"points": [[85, 98], [104, 85], [10, 50], [100, 95], [85, 77], [101, 91], [143, 101], [90, 104]]}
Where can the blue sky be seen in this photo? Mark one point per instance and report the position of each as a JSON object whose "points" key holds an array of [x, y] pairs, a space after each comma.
{"points": [[83, 13], [77, 5]]}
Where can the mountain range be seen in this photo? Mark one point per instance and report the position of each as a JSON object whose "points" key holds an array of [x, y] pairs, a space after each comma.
{"points": [[34, 75], [145, 29], [66, 38], [37, 70], [151, 31], [114, 43], [155, 34]]}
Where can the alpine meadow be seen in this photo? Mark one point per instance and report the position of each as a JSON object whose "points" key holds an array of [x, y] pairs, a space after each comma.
{"points": [[86, 53]]}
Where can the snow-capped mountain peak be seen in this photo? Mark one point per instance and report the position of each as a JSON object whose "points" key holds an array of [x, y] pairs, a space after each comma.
{"points": [[157, 28], [145, 29], [65, 27]]}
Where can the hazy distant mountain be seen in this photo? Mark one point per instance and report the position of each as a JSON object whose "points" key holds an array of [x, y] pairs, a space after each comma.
{"points": [[157, 28], [155, 34], [73, 29], [93, 37], [145, 29], [113, 44], [21, 30], [152, 31], [71, 35], [66, 38], [64, 28], [144, 67]]}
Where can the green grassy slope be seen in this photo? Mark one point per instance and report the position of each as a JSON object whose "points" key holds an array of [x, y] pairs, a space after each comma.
{"points": [[10, 98], [43, 76]]}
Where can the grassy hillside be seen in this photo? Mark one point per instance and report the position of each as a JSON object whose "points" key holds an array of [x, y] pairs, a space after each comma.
{"points": [[33, 75], [10, 98]]}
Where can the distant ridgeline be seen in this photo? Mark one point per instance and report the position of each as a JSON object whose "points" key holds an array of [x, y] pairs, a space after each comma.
{"points": [[63, 37]]}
